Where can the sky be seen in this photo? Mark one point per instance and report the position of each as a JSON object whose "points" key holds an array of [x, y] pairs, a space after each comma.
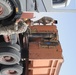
{"points": [[67, 35]]}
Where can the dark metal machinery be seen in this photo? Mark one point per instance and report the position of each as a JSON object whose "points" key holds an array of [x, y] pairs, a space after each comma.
{"points": [[12, 47], [10, 11]]}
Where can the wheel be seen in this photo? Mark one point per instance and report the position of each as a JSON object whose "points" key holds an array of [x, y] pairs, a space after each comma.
{"points": [[5, 8], [12, 70], [14, 46], [9, 56], [0, 73], [10, 12]]}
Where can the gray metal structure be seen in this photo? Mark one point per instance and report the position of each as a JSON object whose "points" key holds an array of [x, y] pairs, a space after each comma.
{"points": [[46, 5]]}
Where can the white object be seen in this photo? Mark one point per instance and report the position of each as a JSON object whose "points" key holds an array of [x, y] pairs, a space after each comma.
{"points": [[62, 4], [43, 5]]}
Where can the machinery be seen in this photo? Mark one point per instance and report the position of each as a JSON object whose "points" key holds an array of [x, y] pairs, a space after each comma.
{"points": [[14, 47], [10, 11], [15, 35], [11, 43], [45, 52], [43, 5]]}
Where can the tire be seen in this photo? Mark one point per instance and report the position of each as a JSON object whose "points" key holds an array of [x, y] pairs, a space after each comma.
{"points": [[16, 68], [6, 7], [9, 56], [14, 46], [11, 18]]}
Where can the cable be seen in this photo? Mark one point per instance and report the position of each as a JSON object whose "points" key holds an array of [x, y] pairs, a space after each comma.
{"points": [[44, 5]]}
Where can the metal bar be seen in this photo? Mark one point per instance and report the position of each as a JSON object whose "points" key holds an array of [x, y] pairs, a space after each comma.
{"points": [[44, 5], [63, 10], [47, 4], [26, 5]]}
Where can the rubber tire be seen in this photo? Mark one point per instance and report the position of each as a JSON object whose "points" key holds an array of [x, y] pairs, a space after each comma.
{"points": [[7, 51], [7, 9], [0, 73], [10, 20], [14, 46], [16, 67]]}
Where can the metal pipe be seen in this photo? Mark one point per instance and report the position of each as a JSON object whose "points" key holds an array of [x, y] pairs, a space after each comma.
{"points": [[63, 10]]}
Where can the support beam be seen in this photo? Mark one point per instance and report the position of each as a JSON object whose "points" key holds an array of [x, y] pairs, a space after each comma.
{"points": [[63, 10]]}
